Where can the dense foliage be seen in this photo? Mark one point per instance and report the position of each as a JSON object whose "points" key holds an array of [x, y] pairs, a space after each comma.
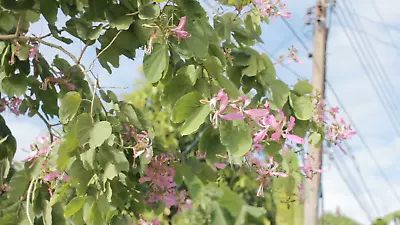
{"points": [[235, 126]]}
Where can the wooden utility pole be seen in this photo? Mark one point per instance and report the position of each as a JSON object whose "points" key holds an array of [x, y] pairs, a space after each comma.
{"points": [[312, 187]]}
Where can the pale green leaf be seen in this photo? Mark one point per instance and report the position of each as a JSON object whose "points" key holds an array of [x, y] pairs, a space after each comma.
{"points": [[303, 108], [237, 138], [155, 63], [280, 93], [74, 206], [303, 87], [69, 106], [100, 133], [149, 11]]}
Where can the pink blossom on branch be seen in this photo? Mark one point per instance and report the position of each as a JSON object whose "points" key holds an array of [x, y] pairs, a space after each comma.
{"points": [[265, 174], [162, 187], [308, 170], [179, 31]]}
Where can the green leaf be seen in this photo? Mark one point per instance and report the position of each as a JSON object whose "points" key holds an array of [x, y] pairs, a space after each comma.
{"points": [[176, 88], [69, 106], [116, 15], [95, 216], [14, 85], [18, 185], [47, 217], [214, 69], [210, 143], [7, 21], [100, 133], [49, 9], [185, 106], [156, 63], [231, 201], [74, 206], [236, 137], [84, 126], [149, 11], [217, 215], [189, 109], [9, 219], [3, 140], [303, 87], [280, 93], [314, 138], [195, 120], [190, 72], [88, 158], [303, 108]]}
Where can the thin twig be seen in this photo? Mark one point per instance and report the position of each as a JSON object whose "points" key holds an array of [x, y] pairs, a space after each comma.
{"points": [[48, 125], [92, 104], [105, 49], [132, 14], [18, 28], [45, 36], [83, 51], [28, 198]]}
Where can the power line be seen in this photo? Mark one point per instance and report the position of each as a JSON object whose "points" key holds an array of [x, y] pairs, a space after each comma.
{"points": [[295, 34], [360, 175], [370, 50], [367, 72], [366, 146], [350, 188], [373, 2]]}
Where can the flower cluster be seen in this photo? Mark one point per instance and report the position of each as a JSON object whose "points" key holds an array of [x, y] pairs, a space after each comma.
{"points": [[12, 104], [143, 143], [238, 110], [265, 171], [162, 185], [337, 129], [179, 32], [40, 149], [270, 9], [292, 56], [308, 170]]}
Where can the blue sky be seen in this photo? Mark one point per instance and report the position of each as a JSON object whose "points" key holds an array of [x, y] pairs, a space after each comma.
{"points": [[345, 74]]}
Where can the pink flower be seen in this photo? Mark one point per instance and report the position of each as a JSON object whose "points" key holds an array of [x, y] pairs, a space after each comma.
{"points": [[220, 166], [241, 113], [271, 123], [41, 148], [199, 156], [34, 52], [265, 174], [308, 170], [180, 30], [285, 15], [56, 175], [149, 48], [223, 99]]}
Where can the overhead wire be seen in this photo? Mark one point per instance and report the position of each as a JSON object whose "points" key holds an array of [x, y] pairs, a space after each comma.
{"points": [[344, 178], [381, 78], [356, 47], [377, 11], [363, 142], [349, 7]]}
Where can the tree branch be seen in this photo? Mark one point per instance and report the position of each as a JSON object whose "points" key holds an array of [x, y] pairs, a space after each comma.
{"points": [[105, 49], [48, 125]]}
